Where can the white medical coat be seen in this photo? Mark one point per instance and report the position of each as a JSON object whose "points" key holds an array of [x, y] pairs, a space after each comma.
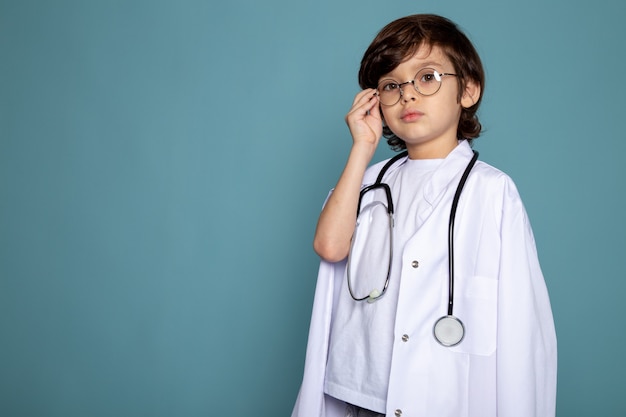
{"points": [[506, 364]]}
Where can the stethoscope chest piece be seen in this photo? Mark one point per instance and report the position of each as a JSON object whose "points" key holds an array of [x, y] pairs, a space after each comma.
{"points": [[449, 331]]}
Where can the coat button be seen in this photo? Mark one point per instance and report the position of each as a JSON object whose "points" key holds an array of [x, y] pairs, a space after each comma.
{"points": [[405, 337], [415, 264], [398, 412]]}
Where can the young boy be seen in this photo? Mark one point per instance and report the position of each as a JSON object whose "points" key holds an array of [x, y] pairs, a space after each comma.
{"points": [[458, 320]]}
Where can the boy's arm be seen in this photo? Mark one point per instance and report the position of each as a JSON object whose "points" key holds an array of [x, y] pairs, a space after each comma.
{"points": [[337, 220]]}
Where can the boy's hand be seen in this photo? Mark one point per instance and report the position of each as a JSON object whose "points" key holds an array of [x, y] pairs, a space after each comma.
{"points": [[364, 119]]}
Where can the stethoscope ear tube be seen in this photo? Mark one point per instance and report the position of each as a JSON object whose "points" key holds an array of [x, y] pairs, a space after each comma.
{"points": [[389, 163]]}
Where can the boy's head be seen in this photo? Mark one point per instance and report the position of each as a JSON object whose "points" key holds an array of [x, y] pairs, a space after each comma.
{"points": [[402, 38]]}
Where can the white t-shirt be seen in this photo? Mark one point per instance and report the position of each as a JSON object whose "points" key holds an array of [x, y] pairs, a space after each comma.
{"points": [[361, 341]]}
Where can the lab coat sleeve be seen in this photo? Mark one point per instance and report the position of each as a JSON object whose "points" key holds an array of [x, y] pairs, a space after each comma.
{"points": [[311, 400], [527, 351]]}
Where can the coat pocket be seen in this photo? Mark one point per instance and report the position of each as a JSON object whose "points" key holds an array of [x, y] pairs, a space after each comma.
{"points": [[476, 305]]}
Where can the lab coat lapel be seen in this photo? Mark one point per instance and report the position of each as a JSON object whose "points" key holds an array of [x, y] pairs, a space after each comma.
{"points": [[442, 179]]}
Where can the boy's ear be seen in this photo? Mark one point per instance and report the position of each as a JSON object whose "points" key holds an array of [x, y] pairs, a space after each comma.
{"points": [[471, 94]]}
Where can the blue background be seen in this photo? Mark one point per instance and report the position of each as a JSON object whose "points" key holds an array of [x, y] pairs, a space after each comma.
{"points": [[162, 165]]}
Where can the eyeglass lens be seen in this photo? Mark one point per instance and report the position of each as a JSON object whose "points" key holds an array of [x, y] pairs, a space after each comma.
{"points": [[427, 82]]}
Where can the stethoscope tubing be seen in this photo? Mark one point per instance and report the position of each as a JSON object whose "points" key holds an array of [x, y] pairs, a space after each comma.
{"points": [[448, 330], [455, 203]]}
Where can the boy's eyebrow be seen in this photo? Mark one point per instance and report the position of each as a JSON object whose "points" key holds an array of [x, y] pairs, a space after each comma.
{"points": [[428, 64], [422, 65]]}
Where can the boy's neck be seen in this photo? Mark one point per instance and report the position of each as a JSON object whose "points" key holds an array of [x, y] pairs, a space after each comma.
{"points": [[431, 150]]}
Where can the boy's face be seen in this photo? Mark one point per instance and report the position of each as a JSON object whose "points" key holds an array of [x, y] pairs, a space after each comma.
{"points": [[427, 124]]}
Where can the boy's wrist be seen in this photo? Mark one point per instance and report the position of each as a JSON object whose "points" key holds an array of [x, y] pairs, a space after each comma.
{"points": [[364, 149]]}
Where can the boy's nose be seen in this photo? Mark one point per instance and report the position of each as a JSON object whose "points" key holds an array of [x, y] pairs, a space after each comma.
{"points": [[408, 92]]}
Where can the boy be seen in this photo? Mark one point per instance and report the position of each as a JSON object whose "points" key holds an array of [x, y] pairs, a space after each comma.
{"points": [[495, 355]]}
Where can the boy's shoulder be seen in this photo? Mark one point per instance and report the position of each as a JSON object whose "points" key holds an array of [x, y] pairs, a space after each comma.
{"points": [[487, 171], [492, 184]]}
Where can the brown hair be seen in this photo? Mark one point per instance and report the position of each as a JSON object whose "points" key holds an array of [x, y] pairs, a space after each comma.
{"points": [[400, 39]]}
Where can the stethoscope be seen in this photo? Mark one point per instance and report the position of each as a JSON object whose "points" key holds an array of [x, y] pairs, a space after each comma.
{"points": [[448, 330]]}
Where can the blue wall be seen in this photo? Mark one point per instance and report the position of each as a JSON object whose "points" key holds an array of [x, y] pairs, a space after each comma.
{"points": [[162, 164]]}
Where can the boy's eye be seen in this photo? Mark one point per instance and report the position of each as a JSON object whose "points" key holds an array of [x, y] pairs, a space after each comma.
{"points": [[390, 86], [428, 77]]}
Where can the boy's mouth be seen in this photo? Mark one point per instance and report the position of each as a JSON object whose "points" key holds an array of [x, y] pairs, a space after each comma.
{"points": [[411, 115]]}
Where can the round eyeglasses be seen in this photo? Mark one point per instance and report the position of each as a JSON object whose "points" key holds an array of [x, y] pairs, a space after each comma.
{"points": [[427, 82]]}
